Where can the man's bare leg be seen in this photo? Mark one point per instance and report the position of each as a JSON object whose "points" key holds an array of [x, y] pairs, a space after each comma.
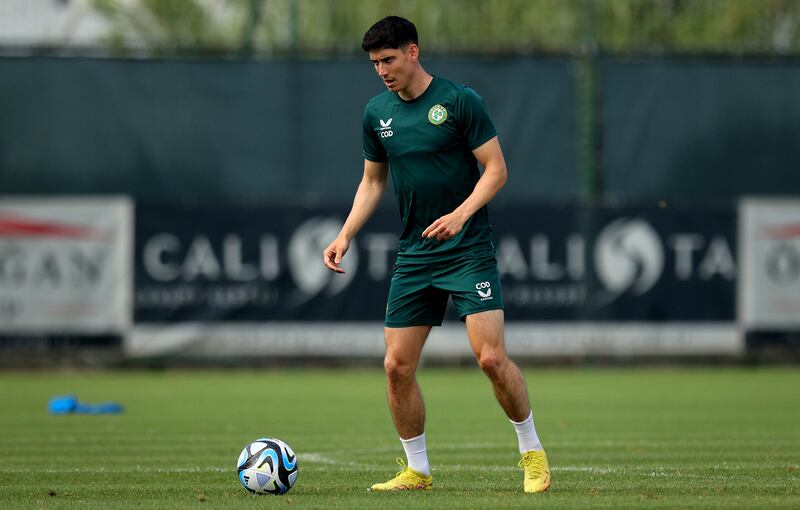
{"points": [[403, 350], [485, 332], [486, 336]]}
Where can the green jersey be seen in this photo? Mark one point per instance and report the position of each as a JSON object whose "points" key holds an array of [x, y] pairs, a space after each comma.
{"points": [[428, 143]]}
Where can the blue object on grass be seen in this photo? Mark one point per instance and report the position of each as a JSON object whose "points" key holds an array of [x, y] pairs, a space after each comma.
{"points": [[63, 404], [68, 404]]}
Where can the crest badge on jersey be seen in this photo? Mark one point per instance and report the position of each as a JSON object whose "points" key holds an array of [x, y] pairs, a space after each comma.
{"points": [[437, 114]]}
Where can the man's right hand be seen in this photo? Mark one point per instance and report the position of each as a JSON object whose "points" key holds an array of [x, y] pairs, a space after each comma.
{"points": [[333, 254]]}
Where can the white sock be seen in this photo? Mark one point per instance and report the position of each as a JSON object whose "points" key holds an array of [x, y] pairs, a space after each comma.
{"points": [[417, 454], [526, 434]]}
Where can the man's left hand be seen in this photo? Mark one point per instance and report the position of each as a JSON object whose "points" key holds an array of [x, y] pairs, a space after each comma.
{"points": [[446, 227]]}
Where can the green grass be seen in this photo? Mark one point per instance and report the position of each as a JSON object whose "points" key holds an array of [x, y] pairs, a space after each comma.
{"points": [[656, 438]]}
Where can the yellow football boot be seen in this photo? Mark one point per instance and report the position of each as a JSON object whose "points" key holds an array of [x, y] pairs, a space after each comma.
{"points": [[405, 479], [536, 471]]}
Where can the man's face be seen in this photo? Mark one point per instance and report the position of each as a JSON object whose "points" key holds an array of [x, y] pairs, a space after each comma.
{"points": [[394, 66]]}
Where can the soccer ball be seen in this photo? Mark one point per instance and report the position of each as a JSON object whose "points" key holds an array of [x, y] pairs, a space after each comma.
{"points": [[267, 465]]}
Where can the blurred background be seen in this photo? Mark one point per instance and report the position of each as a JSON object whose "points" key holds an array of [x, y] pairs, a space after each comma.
{"points": [[170, 171]]}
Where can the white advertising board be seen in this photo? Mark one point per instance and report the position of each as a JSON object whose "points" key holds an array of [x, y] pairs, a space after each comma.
{"points": [[769, 247], [65, 265]]}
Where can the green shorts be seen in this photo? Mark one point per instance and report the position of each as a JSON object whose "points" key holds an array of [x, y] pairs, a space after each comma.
{"points": [[418, 292]]}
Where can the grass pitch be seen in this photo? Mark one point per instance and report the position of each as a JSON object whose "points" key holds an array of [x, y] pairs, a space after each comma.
{"points": [[699, 438]]}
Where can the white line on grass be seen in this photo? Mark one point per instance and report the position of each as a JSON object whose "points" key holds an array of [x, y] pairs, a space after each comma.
{"points": [[132, 469], [332, 461], [331, 464], [511, 444]]}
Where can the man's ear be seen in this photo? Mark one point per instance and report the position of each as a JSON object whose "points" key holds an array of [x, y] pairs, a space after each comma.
{"points": [[413, 53]]}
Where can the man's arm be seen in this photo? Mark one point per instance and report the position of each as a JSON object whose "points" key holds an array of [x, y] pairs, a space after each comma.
{"points": [[495, 175], [368, 196]]}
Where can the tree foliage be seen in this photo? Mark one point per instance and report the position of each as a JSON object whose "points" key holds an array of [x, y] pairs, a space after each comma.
{"points": [[326, 27]]}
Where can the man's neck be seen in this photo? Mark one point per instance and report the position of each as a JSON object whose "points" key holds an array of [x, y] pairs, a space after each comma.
{"points": [[416, 86]]}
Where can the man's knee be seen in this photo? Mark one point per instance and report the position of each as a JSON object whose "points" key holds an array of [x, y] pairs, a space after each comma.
{"points": [[398, 370], [492, 361]]}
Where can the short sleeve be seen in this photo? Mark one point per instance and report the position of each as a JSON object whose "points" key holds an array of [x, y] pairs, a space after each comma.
{"points": [[473, 119], [372, 147]]}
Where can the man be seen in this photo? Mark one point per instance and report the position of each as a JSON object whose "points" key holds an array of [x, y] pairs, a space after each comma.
{"points": [[432, 133]]}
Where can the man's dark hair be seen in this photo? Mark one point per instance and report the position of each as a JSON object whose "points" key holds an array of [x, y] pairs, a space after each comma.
{"points": [[390, 32]]}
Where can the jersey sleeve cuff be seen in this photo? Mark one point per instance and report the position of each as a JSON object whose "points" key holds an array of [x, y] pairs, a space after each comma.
{"points": [[482, 140], [375, 159]]}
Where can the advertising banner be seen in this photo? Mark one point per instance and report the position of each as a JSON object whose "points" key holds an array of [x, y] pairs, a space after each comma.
{"points": [[257, 264], [65, 266], [251, 280], [617, 264], [769, 291]]}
